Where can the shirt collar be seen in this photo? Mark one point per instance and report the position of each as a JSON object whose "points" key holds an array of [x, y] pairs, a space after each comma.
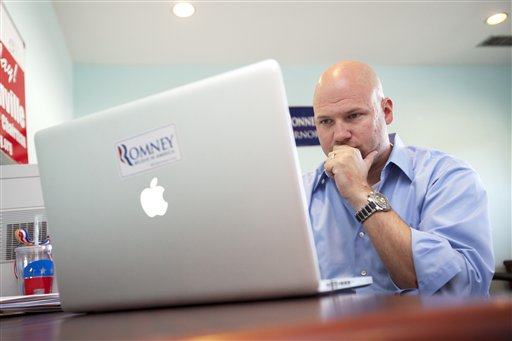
{"points": [[398, 157], [320, 177]]}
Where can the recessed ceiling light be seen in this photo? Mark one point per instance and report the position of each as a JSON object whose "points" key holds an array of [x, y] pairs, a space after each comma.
{"points": [[496, 19], [183, 9]]}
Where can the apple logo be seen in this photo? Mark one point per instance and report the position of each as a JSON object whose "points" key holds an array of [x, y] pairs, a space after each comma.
{"points": [[152, 199]]}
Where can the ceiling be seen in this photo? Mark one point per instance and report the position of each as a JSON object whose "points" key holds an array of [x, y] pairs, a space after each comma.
{"points": [[292, 32]]}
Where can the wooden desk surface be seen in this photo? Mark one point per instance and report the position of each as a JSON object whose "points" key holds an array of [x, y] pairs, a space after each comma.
{"points": [[341, 316]]}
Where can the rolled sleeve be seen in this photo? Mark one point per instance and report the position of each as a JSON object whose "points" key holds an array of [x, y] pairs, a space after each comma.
{"points": [[452, 246], [435, 261]]}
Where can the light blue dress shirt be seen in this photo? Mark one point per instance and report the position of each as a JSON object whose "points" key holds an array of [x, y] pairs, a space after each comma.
{"points": [[443, 201]]}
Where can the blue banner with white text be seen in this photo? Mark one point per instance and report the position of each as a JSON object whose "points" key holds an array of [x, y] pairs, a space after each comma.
{"points": [[303, 124]]}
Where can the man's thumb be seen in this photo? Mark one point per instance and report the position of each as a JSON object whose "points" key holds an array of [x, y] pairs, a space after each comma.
{"points": [[368, 160]]}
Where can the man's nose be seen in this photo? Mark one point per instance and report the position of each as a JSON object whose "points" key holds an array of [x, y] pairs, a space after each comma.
{"points": [[341, 133]]}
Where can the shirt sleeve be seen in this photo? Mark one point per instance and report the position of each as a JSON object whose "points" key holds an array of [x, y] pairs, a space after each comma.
{"points": [[452, 246]]}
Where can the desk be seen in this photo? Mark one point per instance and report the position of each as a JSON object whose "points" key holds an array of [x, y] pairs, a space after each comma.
{"points": [[336, 316]]}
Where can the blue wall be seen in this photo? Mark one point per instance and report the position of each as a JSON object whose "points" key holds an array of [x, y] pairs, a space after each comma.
{"points": [[464, 110]]}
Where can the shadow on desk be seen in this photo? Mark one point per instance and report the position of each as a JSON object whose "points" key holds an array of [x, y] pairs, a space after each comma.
{"points": [[490, 320], [337, 316], [195, 321]]}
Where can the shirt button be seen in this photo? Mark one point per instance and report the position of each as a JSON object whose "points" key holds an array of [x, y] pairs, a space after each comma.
{"points": [[361, 234], [363, 273], [322, 181]]}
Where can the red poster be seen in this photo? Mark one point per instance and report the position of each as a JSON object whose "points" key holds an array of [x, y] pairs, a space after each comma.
{"points": [[13, 120]]}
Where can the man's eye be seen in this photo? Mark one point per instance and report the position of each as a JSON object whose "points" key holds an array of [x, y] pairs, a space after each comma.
{"points": [[353, 116], [325, 121]]}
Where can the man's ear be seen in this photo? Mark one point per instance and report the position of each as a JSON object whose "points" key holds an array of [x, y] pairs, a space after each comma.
{"points": [[387, 109]]}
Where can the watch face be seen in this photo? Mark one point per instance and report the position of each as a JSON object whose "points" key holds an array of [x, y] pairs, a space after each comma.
{"points": [[381, 201]]}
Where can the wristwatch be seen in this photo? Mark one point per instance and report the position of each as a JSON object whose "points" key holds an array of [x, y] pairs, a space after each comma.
{"points": [[377, 202]]}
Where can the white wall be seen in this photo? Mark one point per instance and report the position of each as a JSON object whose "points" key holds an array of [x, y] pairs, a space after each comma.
{"points": [[463, 110], [48, 68]]}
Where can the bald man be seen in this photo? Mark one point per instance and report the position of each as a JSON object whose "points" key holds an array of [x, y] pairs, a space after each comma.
{"points": [[416, 220]]}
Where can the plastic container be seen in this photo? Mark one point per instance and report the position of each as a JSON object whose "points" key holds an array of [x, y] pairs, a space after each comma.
{"points": [[34, 269]]}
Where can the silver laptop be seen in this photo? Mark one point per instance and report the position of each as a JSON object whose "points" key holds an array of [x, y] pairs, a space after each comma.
{"points": [[189, 196]]}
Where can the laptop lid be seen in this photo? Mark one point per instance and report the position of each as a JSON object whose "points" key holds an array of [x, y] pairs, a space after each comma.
{"points": [[192, 195]]}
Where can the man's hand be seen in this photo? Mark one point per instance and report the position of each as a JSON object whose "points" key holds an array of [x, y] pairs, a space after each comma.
{"points": [[350, 171], [389, 234]]}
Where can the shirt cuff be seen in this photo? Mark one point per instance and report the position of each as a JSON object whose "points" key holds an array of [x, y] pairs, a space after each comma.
{"points": [[434, 261]]}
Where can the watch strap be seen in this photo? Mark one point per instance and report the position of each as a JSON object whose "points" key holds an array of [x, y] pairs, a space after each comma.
{"points": [[366, 211]]}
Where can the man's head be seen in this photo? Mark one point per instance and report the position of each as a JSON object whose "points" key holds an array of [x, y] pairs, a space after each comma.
{"points": [[350, 108]]}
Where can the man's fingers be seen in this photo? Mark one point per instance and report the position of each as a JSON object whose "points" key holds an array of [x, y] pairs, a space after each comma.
{"points": [[328, 165], [368, 160]]}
